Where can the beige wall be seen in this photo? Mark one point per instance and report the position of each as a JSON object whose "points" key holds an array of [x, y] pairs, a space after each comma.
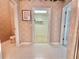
{"points": [[78, 33], [26, 27], [12, 15], [67, 1], [73, 30], [5, 26]]}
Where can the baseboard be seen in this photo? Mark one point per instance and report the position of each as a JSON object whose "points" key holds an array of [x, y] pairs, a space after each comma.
{"points": [[55, 43], [25, 43], [28, 43]]}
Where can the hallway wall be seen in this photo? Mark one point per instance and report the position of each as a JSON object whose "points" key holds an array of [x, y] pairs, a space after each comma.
{"points": [[26, 26], [5, 26], [67, 1], [73, 30]]}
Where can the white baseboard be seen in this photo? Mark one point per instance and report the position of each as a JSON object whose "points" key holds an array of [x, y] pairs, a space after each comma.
{"points": [[28, 43], [25, 43], [55, 43]]}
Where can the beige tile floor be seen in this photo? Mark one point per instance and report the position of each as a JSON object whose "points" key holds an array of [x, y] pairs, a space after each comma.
{"points": [[36, 51]]}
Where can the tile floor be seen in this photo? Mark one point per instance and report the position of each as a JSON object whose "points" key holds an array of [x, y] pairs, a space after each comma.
{"points": [[36, 51]]}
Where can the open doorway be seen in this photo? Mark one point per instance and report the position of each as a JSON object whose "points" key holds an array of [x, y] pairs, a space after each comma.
{"points": [[41, 24]]}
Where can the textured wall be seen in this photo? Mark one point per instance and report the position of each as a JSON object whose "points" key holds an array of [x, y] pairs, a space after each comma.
{"points": [[73, 30], [67, 1], [78, 33], [5, 26], [26, 27]]}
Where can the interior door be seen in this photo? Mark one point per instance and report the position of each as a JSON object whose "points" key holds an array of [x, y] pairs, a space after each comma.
{"points": [[41, 19], [67, 24]]}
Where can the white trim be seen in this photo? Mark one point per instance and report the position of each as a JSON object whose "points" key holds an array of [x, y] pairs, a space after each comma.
{"points": [[55, 43], [62, 22], [14, 5], [25, 43], [49, 22]]}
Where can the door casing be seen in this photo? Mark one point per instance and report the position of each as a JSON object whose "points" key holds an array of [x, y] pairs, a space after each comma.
{"points": [[14, 5]]}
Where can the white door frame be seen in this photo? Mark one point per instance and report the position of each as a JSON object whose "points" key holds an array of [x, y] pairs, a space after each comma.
{"points": [[63, 21], [14, 5], [49, 23]]}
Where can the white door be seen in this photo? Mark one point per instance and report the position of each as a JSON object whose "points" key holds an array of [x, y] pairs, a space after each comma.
{"points": [[41, 25], [67, 24]]}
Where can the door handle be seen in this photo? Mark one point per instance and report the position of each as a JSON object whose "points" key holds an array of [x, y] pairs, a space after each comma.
{"points": [[64, 26]]}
